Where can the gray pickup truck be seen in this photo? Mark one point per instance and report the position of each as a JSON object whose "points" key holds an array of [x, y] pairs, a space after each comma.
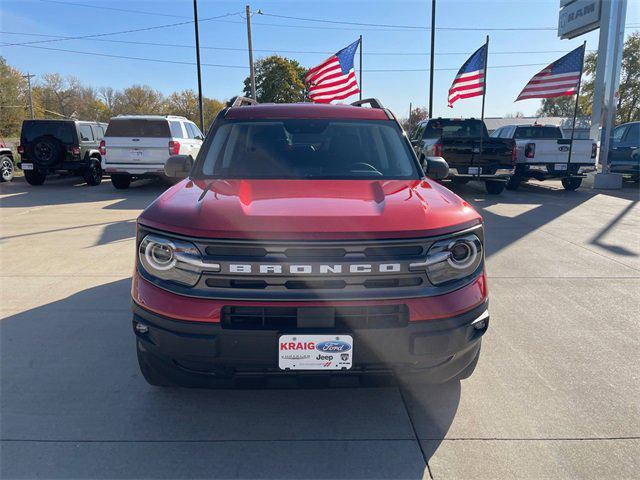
{"points": [[458, 142]]}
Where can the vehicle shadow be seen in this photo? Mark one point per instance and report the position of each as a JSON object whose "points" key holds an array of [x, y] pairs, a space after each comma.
{"points": [[74, 405], [67, 190]]}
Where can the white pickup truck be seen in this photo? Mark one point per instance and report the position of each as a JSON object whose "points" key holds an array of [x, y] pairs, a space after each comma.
{"points": [[543, 153]]}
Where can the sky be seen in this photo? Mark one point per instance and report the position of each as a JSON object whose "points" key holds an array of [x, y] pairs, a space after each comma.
{"points": [[385, 48]]}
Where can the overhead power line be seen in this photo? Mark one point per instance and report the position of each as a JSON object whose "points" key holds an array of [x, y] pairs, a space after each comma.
{"points": [[97, 35], [180, 62], [275, 50], [114, 9]]}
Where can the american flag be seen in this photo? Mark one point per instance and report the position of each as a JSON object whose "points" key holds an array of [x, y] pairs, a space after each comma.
{"points": [[469, 81], [560, 78], [335, 78]]}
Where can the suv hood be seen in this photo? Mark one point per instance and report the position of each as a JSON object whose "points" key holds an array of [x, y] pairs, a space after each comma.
{"points": [[309, 209]]}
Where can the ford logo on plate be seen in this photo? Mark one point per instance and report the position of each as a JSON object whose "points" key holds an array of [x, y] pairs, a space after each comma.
{"points": [[333, 346], [563, 149]]}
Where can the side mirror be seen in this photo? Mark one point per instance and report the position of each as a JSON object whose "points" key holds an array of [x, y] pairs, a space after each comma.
{"points": [[436, 168], [178, 166]]}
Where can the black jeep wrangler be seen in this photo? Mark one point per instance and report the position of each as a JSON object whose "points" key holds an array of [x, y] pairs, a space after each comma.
{"points": [[57, 146]]}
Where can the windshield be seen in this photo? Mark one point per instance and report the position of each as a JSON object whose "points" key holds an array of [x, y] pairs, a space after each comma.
{"points": [[138, 127], [63, 131], [550, 133], [452, 128], [309, 149]]}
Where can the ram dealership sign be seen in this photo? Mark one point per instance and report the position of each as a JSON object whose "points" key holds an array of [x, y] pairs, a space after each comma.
{"points": [[578, 17]]}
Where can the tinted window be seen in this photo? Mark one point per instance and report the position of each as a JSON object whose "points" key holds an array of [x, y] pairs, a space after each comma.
{"points": [[63, 131], [190, 131], [633, 134], [306, 149], [176, 130], [138, 127], [196, 131], [496, 133], [86, 134], [453, 128], [548, 133]]}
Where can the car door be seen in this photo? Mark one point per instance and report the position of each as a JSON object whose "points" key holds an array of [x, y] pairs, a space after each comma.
{"points": [[197, 139], [625, 144], [86, 138]]}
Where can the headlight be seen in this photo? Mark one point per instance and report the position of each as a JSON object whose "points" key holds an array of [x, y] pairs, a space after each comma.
{"points": [[173, 260], [451, 259]]}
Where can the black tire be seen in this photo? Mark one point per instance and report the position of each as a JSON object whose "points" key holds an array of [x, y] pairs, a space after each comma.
{"points": [[494, 187], [571, 183], [514, 182], [6, 168], [92, 174], [46, 151], [460, 180], [34, 177], [121, 181], [151, 374]]}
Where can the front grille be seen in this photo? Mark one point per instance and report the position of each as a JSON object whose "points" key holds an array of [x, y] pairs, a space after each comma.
{"points": [[286, 318]]}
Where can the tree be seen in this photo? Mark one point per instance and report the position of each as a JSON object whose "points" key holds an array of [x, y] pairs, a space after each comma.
{"points": [[211, 109], [514, 115], [628, 108], [417, 115], [13, 99], [184, 103], [140, 100], [278, 80]]}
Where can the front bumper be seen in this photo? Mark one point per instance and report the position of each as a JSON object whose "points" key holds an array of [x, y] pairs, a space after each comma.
{"points": [[437, 350]]}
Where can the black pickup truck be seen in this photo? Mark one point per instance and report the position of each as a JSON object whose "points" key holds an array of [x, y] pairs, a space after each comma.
{"points": [[458, 142]]}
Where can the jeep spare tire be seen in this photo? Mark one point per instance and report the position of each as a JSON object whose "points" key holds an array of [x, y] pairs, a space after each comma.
{"points": [[46, 151]]}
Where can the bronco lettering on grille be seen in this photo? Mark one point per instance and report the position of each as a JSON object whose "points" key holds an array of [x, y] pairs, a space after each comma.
{"points": [[315, 269]]}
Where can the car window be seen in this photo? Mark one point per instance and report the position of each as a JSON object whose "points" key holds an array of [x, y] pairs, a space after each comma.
{"points": [[496, 133], [32, 129], [543, 133], [198, 133], [86, 134], [98, 132], [138, 127], [618, 132], [176, 129], [190, 131], [453, 128], [633, 134], [308, 149]]}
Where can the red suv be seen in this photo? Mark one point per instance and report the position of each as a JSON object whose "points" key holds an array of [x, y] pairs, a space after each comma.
{"points": [[306, 239]]}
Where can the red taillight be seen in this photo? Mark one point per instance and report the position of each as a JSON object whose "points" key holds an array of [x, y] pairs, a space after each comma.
{"points": [[103, 147], [21, 149], [174, 147], [594, 150], [530, 150], [437, 150], [76, 151]]}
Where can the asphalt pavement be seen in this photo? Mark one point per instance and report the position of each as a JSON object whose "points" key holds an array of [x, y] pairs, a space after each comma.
{"points": [[555, 394]]}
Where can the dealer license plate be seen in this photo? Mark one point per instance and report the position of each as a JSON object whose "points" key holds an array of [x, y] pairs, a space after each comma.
{"points": [[475, 170], [26, 166], [560, 166], [315, 352], [135, 154]]}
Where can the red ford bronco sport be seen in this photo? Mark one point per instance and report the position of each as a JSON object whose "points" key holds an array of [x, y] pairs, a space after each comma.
{"points": [[306, 239]]}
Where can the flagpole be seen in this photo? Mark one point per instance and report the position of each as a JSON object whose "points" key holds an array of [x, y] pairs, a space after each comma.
{"points": [[360, 67], [484, 91], [575, 108]]}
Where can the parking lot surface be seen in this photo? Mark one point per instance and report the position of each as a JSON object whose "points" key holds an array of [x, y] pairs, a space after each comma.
{"points": [[555, 394]]}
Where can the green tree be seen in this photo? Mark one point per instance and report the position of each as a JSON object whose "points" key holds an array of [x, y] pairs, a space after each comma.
{"points": [[139, 100], [628, 108], [211, 109], [278, 80], [13, 99]]}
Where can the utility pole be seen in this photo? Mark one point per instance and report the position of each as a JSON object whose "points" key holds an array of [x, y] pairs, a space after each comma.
{"points": [[432, 55], [200, 105], [29, 76], [252, 76]]}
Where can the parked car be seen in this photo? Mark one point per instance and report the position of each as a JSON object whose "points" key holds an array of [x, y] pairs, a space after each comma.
{"points": [[61, 146], [624, 155], [6, 163], [543, 153], [307, 239], [458, 142], [138, 146]]}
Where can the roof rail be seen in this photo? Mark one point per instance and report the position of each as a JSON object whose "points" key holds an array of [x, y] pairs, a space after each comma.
{"points": [[373, 102], [241, 101]]}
